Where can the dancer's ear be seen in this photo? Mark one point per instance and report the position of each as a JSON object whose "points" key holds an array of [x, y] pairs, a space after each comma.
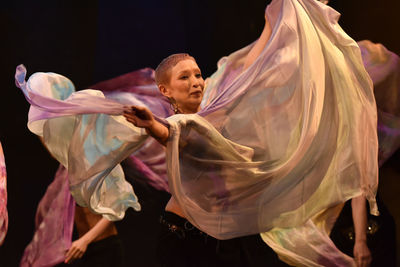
{"points": [[164, 90]]}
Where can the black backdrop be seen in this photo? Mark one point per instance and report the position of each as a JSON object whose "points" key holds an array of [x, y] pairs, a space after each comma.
{"points": [[93, 40]]}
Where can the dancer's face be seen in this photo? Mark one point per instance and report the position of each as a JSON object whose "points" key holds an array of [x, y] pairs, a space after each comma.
{"points": [[185, 86]]}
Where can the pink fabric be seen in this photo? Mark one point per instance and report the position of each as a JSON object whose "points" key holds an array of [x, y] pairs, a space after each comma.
{"points": [[54, 224], [3, 197], [384, 68]]}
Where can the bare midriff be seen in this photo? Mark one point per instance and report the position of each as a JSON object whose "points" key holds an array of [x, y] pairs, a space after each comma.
{"points": [[86, 220], [173, 206]]}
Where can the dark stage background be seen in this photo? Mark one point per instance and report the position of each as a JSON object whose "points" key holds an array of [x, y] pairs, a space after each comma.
{"points": [[93, 40]]}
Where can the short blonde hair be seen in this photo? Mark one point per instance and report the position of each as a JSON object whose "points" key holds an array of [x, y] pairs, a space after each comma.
{"points": [[162, 73]]}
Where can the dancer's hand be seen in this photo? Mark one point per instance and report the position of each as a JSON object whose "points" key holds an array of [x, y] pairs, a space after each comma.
{"points": [[362, 254], [143, 118], [139, 116], [76, 251]]}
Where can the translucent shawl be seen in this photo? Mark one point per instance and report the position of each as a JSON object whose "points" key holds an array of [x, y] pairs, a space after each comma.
{"points": [[383, 67], [3, 197], [292, 136], [276, 148]]}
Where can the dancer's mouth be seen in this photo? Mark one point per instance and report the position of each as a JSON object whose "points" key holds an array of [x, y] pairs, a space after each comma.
{"points": [[197, 92]]}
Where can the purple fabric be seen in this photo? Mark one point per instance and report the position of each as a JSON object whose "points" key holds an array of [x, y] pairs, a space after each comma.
{"points": [[148, 163], [3, 197], [141, 85], [384, 68], [54, 224], [51, 108], [382, 65], [55, 213], [137, 169]]}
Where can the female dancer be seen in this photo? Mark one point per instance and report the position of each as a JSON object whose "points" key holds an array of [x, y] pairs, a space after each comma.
{"points": [[272, 151], [182, 244]]}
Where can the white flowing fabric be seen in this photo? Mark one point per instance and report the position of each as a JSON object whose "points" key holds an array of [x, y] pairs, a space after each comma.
{"points": [[310, 121], [276, 148], [90, 146], [306, 126]]}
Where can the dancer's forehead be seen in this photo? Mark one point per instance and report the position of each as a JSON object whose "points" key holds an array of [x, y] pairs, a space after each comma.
{"points": [[163, 71], [184, 67]]}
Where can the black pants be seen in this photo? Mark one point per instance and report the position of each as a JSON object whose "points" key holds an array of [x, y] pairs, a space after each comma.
{"points": [[183, 245]]}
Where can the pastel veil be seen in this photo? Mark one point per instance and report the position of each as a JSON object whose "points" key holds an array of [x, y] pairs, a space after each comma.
{"points": [[276, 149]]}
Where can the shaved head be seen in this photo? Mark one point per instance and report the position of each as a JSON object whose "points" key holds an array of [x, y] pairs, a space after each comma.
{"points": [[163, 70]]}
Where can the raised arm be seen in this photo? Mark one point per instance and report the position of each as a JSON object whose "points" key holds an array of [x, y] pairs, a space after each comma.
{"points": [[143, 118], [361, 252], [259, 46]]}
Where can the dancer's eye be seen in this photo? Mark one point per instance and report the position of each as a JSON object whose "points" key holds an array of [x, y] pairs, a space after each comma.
{"points": [[184, 77], [198, 75]]}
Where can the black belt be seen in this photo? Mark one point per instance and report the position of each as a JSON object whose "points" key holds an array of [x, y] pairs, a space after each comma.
{"points": [[180, 226]]}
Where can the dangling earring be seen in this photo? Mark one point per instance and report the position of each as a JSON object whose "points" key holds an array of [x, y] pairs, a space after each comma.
{"points": [[174, 105]]}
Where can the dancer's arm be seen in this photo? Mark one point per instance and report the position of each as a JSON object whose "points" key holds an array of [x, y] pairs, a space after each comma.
{"points": [[143, 118], [361, 252], [79, 246], [259, 46]]}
